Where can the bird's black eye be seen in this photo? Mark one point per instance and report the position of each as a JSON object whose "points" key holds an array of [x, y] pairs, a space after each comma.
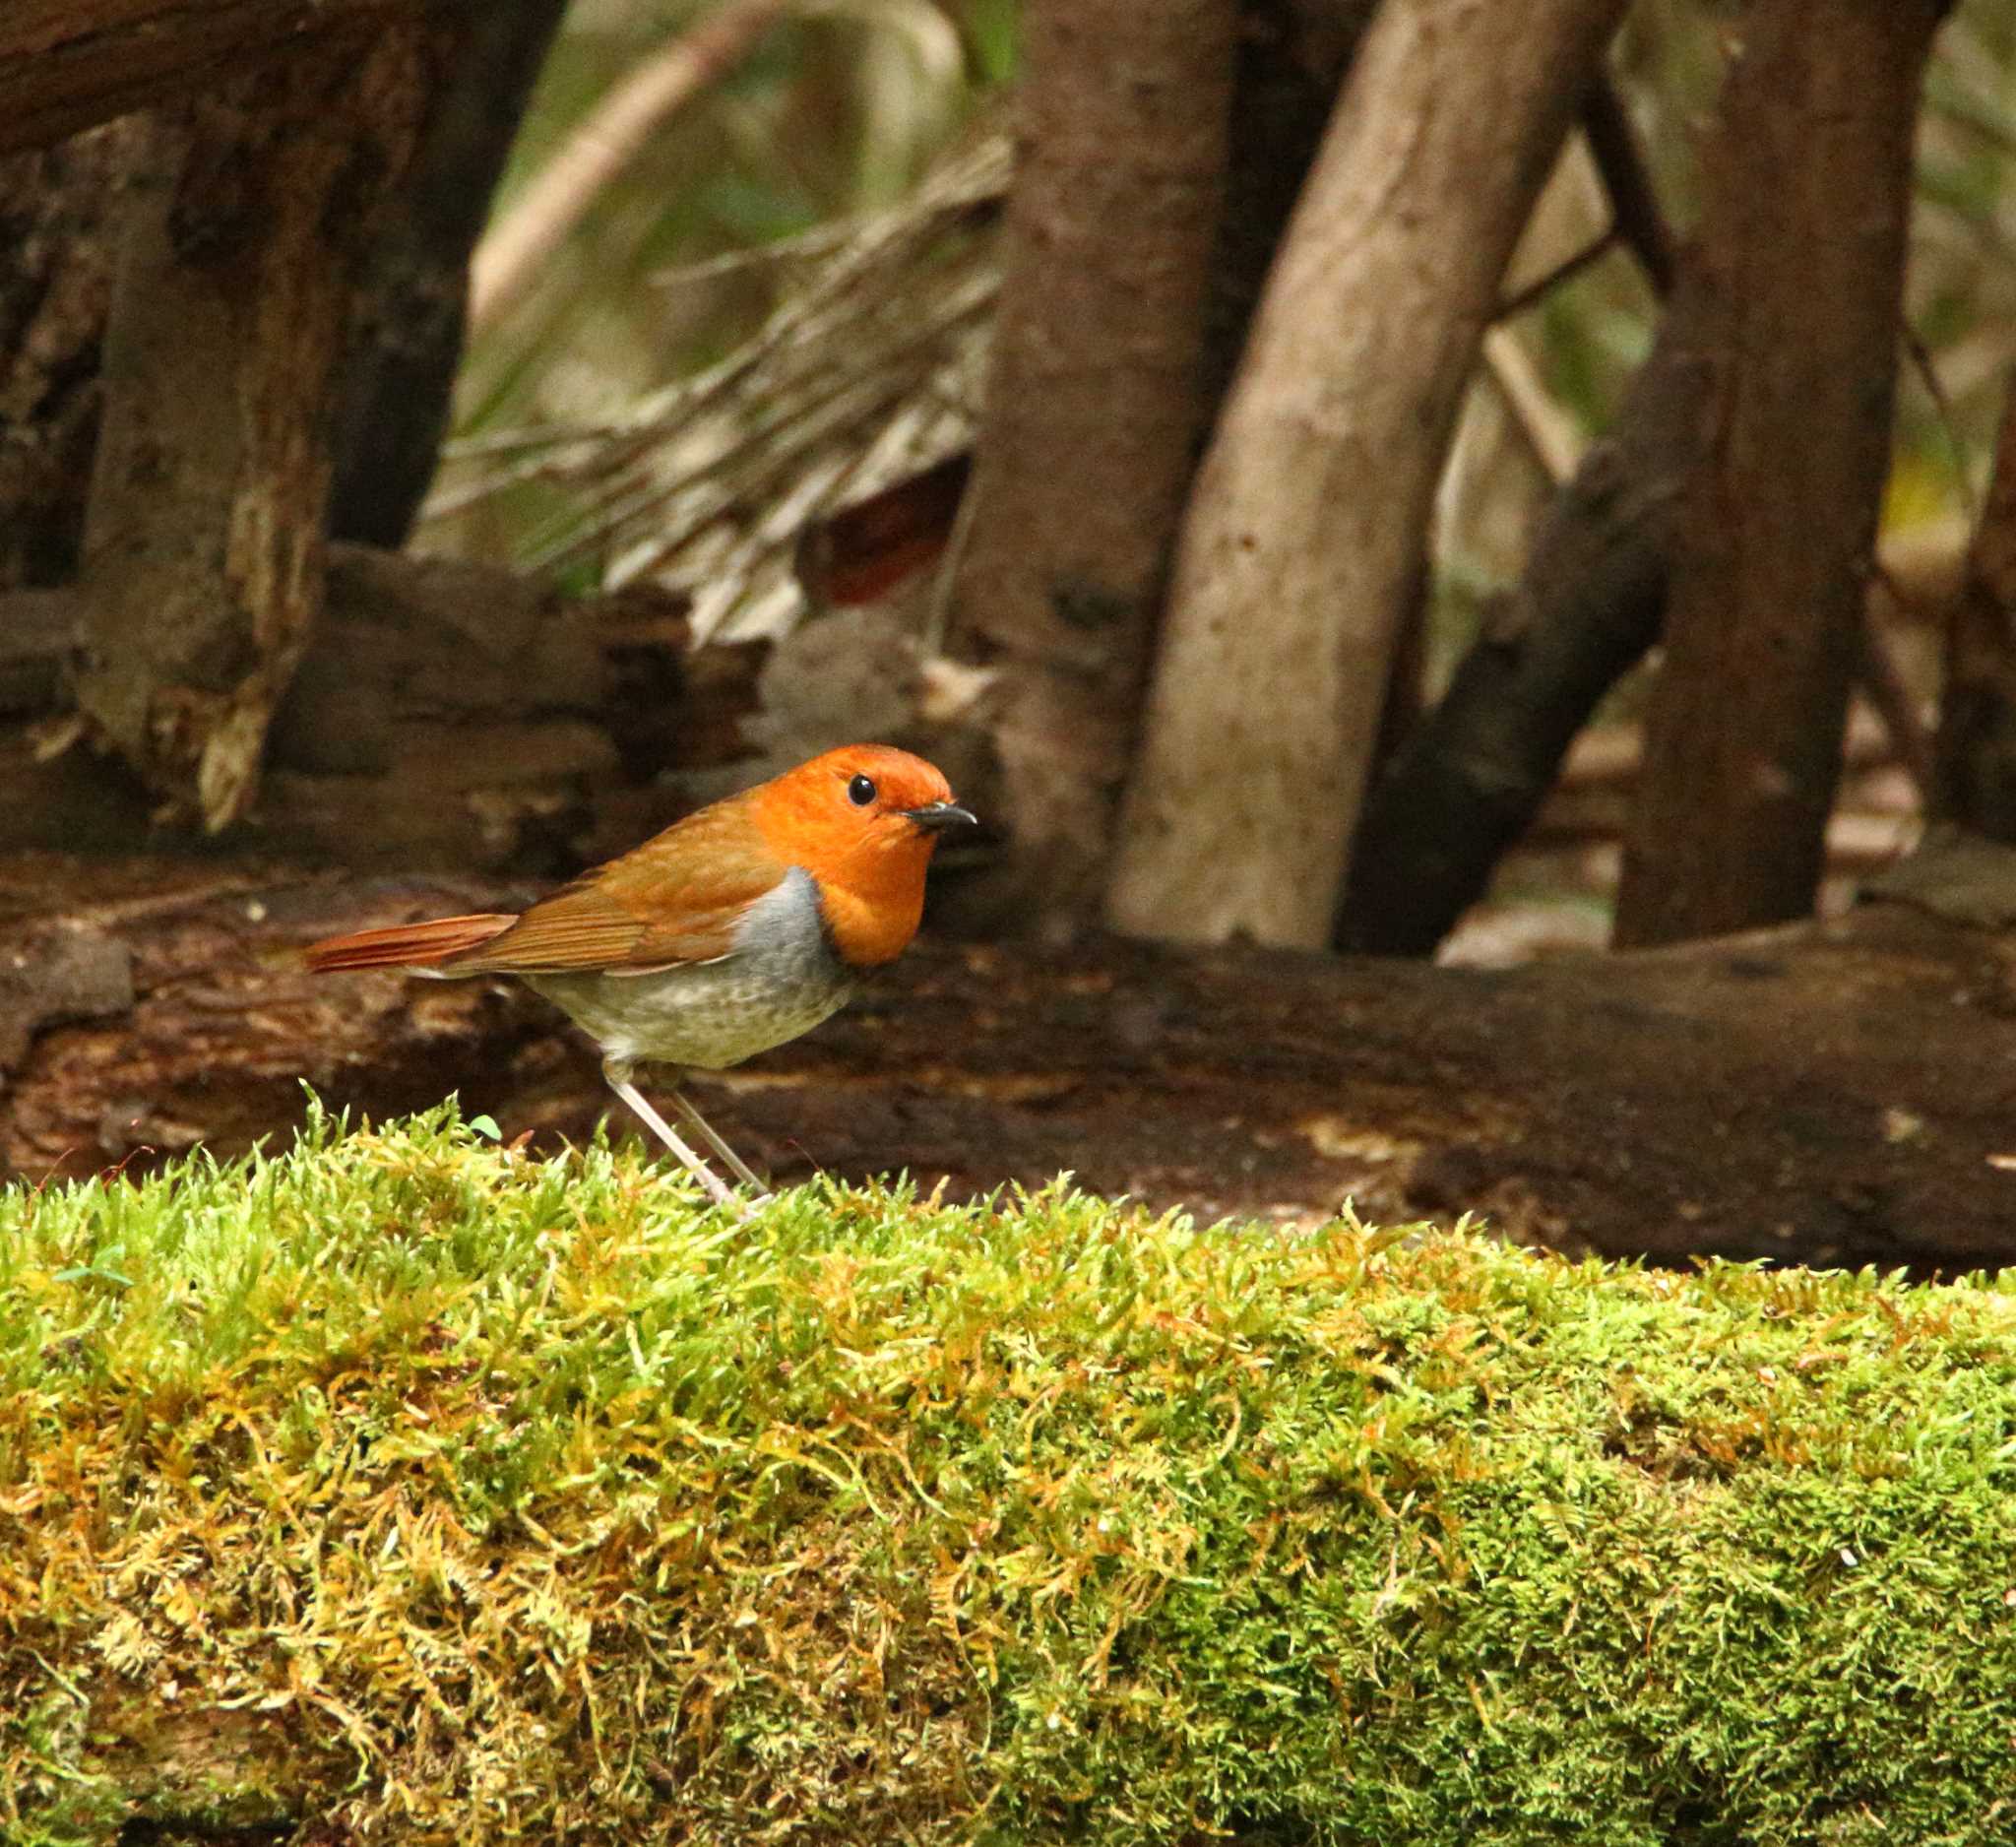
{"points": [[862, 791]]}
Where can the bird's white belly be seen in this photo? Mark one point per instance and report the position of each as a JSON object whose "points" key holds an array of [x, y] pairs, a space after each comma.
{"points": [[705, 1017], [781, 979]]}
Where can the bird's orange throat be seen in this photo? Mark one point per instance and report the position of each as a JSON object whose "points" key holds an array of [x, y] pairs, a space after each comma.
{"points": [[871, 920], [871, 878]]}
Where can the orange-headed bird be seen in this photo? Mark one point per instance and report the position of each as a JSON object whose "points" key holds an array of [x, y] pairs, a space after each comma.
{"points": [[737, 928]]}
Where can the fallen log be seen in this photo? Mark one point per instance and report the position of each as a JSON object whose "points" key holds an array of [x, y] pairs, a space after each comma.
{"points": [[1840, 1093], [447, 716]]}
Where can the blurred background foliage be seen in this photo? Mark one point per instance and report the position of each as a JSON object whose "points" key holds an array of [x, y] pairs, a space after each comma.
{"points": [[570, 408], [842, 108]]}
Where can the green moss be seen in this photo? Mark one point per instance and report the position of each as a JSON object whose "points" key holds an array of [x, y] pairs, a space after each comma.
{"points": [[404, 1482]]}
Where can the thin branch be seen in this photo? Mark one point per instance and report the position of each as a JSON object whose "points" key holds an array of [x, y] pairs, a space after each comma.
{"points": [[1920, 356], [1536, 291], [613, 135], [1550, 432], [1634, 200]]}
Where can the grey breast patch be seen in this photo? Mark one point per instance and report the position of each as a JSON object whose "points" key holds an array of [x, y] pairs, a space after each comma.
{"points": [[780, 980]]}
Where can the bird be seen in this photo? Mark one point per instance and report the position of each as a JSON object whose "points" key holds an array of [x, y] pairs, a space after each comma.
{"points": [[735, 929]]}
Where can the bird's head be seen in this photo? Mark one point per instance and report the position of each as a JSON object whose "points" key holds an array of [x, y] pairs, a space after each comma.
{"points": [[862, 820]]}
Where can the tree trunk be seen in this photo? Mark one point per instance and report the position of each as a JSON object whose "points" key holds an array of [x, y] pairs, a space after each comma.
{"points": [[1292, 57], [1304, 535], [1975, 775], [1802, 247], [67, 65], [1092, 411], [407, 331], [204, 537], [1472, 778]]}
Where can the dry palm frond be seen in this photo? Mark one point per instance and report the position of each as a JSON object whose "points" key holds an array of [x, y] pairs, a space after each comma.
{"points": [[870, 368]]}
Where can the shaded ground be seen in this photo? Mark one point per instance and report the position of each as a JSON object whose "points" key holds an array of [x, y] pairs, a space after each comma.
{"points": [[1841, 1093]]}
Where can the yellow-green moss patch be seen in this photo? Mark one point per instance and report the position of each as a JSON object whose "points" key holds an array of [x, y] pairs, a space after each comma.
{"points": [[405, 1485]]}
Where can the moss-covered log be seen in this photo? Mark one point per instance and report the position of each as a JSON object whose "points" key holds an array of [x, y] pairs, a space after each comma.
{"points": [[407, 1488]]}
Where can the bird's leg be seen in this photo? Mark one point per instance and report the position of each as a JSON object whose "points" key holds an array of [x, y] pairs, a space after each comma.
{"points": [[739, 1168], [617, 1077]]}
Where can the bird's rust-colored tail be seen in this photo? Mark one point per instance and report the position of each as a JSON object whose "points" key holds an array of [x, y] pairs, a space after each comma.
{"points": [[407, 945]]}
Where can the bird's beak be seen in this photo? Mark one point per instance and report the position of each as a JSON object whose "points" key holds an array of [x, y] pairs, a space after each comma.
{"points": [[938, 817]]}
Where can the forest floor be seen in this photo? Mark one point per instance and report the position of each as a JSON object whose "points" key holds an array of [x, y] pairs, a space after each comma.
{"points": [[1836, 1093]]}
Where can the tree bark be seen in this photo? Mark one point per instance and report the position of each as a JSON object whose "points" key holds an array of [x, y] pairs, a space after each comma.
{"points": [[1291, 60], [67, 65], [1801, 245], [57, 247], [407, 331], [1304, 533], [1092, 411], [1473, 775], [1834, 1094], [1292, 56], [1974, 782], [202, 550]]}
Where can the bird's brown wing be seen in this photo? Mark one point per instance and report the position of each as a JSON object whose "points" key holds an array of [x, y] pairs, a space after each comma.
{"points": [[676, 899], [407, 945]]}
